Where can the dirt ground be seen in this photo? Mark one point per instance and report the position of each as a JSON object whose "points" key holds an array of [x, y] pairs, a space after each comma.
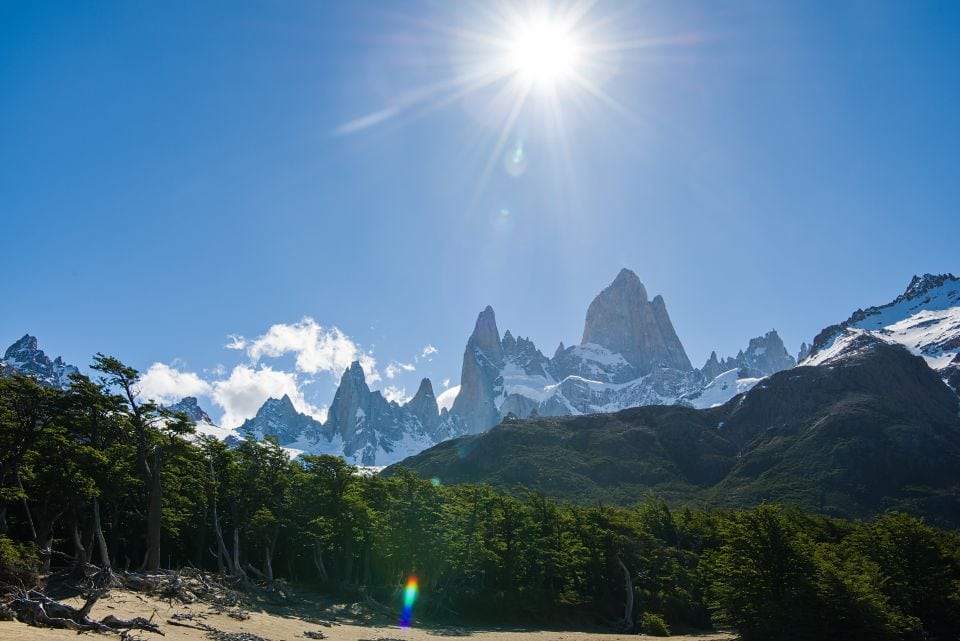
{"points": [[291, 623]]}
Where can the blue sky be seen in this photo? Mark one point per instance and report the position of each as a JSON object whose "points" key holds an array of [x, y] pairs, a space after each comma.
{"points": [[175, 173]]}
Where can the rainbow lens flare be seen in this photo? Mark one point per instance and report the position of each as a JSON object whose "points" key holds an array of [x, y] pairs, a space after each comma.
{"points": [[409, 597]]}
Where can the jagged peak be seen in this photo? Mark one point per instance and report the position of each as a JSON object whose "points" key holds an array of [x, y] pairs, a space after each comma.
{"points": [[560, 350], [628, 281], [425, 389], [284, 403], [920, 285], [190, 406], [485, 335], [28, 342]]}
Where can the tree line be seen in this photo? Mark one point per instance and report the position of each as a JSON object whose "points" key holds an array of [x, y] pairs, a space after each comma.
{"points": [[94, 476]]}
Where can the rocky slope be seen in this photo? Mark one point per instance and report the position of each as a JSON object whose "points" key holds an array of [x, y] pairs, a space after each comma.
{"points": [[880, 432], [25, 357], [925, 319], [629, 355]]}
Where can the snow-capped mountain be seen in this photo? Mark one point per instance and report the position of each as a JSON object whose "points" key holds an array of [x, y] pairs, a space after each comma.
{"points": [[25, 357], [204, 424], [278, 418], [925, 319], [630, 355]]}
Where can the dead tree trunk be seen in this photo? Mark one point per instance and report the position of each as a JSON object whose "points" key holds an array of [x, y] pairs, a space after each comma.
{"points": [[237, 568], [268, 563], [318, 561], [627, 623], [79, 551], [26, 506], [154, 515], [101, 540], [223, 555]]}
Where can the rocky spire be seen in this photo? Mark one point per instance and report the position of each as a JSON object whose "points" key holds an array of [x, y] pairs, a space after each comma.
{"points": [[189, 406], [767, 355], [278, 418], [482, 360], [485, 335], [423, 405], [26, 345], [560, 350], [26, 357], [712, 368], [623, 320], [349, 403]]}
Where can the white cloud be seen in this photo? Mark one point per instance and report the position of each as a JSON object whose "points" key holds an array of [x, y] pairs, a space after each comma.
{"points": [[236, 342], [446, 383], [165, 384], [396, 394], [446, 398], [428, 350], [317, 349], [395, 368], [246, 389]]}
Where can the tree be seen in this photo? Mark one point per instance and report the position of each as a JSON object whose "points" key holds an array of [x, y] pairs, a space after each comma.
{"points": [[152, 428], [27, 410]]}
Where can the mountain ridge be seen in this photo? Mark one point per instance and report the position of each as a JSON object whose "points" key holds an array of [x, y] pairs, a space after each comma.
{"points": [[508, 374]]}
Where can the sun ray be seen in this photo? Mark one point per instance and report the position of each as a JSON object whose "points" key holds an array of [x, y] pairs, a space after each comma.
{"points": [[530, 66]]}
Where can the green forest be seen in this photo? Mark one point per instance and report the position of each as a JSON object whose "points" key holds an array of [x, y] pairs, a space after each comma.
{"points": [[92, 477]]}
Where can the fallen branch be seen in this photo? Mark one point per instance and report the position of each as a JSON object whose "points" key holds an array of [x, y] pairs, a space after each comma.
{"points": [[40, 611]]}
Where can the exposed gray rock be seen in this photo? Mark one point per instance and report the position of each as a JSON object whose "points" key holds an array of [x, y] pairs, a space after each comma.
{"points": [[482, 362], [623, 320], [423, 405], [278, 418], [189, 406], [25, 357]]}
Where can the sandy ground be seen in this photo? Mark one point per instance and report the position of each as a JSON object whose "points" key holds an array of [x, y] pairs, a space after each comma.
{"points": [[290, 624]]}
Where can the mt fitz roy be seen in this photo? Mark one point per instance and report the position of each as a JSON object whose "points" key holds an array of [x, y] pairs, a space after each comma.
{"points": [[629, 355]]}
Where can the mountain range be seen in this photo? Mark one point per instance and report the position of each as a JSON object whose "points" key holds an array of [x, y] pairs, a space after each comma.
{"points": [[875, 429], [629, 356]]}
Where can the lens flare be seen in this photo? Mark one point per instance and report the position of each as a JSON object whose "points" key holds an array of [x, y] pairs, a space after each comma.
{"points": [[409, 598]]}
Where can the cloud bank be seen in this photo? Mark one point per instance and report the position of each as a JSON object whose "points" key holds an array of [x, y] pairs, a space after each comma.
{"points": [[241, 391]]}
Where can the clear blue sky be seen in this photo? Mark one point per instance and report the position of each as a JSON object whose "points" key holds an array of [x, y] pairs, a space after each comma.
{"points": [[175, 172]]}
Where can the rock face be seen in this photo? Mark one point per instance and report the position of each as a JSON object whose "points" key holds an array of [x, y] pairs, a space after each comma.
{"points": [[189, 406], [881, 432], [424, 407], [925, 319], [630, 356], [278, 418], [372, 429], [475, 405], [622, 320], [25, 357]]}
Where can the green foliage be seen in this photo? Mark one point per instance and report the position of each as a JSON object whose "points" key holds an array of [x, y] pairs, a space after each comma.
{"points": [[19, 563], [654, 625], [93, 452]]}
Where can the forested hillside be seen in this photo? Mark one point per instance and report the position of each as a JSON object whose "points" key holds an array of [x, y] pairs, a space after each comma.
{"points": [[92, 479]]}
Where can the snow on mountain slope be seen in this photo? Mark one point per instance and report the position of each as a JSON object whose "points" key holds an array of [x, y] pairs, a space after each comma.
{"points": [[925, 319], [721, 389], [25, 357]]}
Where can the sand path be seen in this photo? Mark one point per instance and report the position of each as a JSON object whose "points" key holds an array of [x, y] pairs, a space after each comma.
{"points": [[291, 625]]}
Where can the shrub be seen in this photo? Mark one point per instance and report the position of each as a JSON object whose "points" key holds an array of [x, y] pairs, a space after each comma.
{"points": [[654, 625], [19, 564]]}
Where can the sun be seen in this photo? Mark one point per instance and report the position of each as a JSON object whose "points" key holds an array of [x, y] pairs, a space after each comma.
{"points": [[543, 51]]}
